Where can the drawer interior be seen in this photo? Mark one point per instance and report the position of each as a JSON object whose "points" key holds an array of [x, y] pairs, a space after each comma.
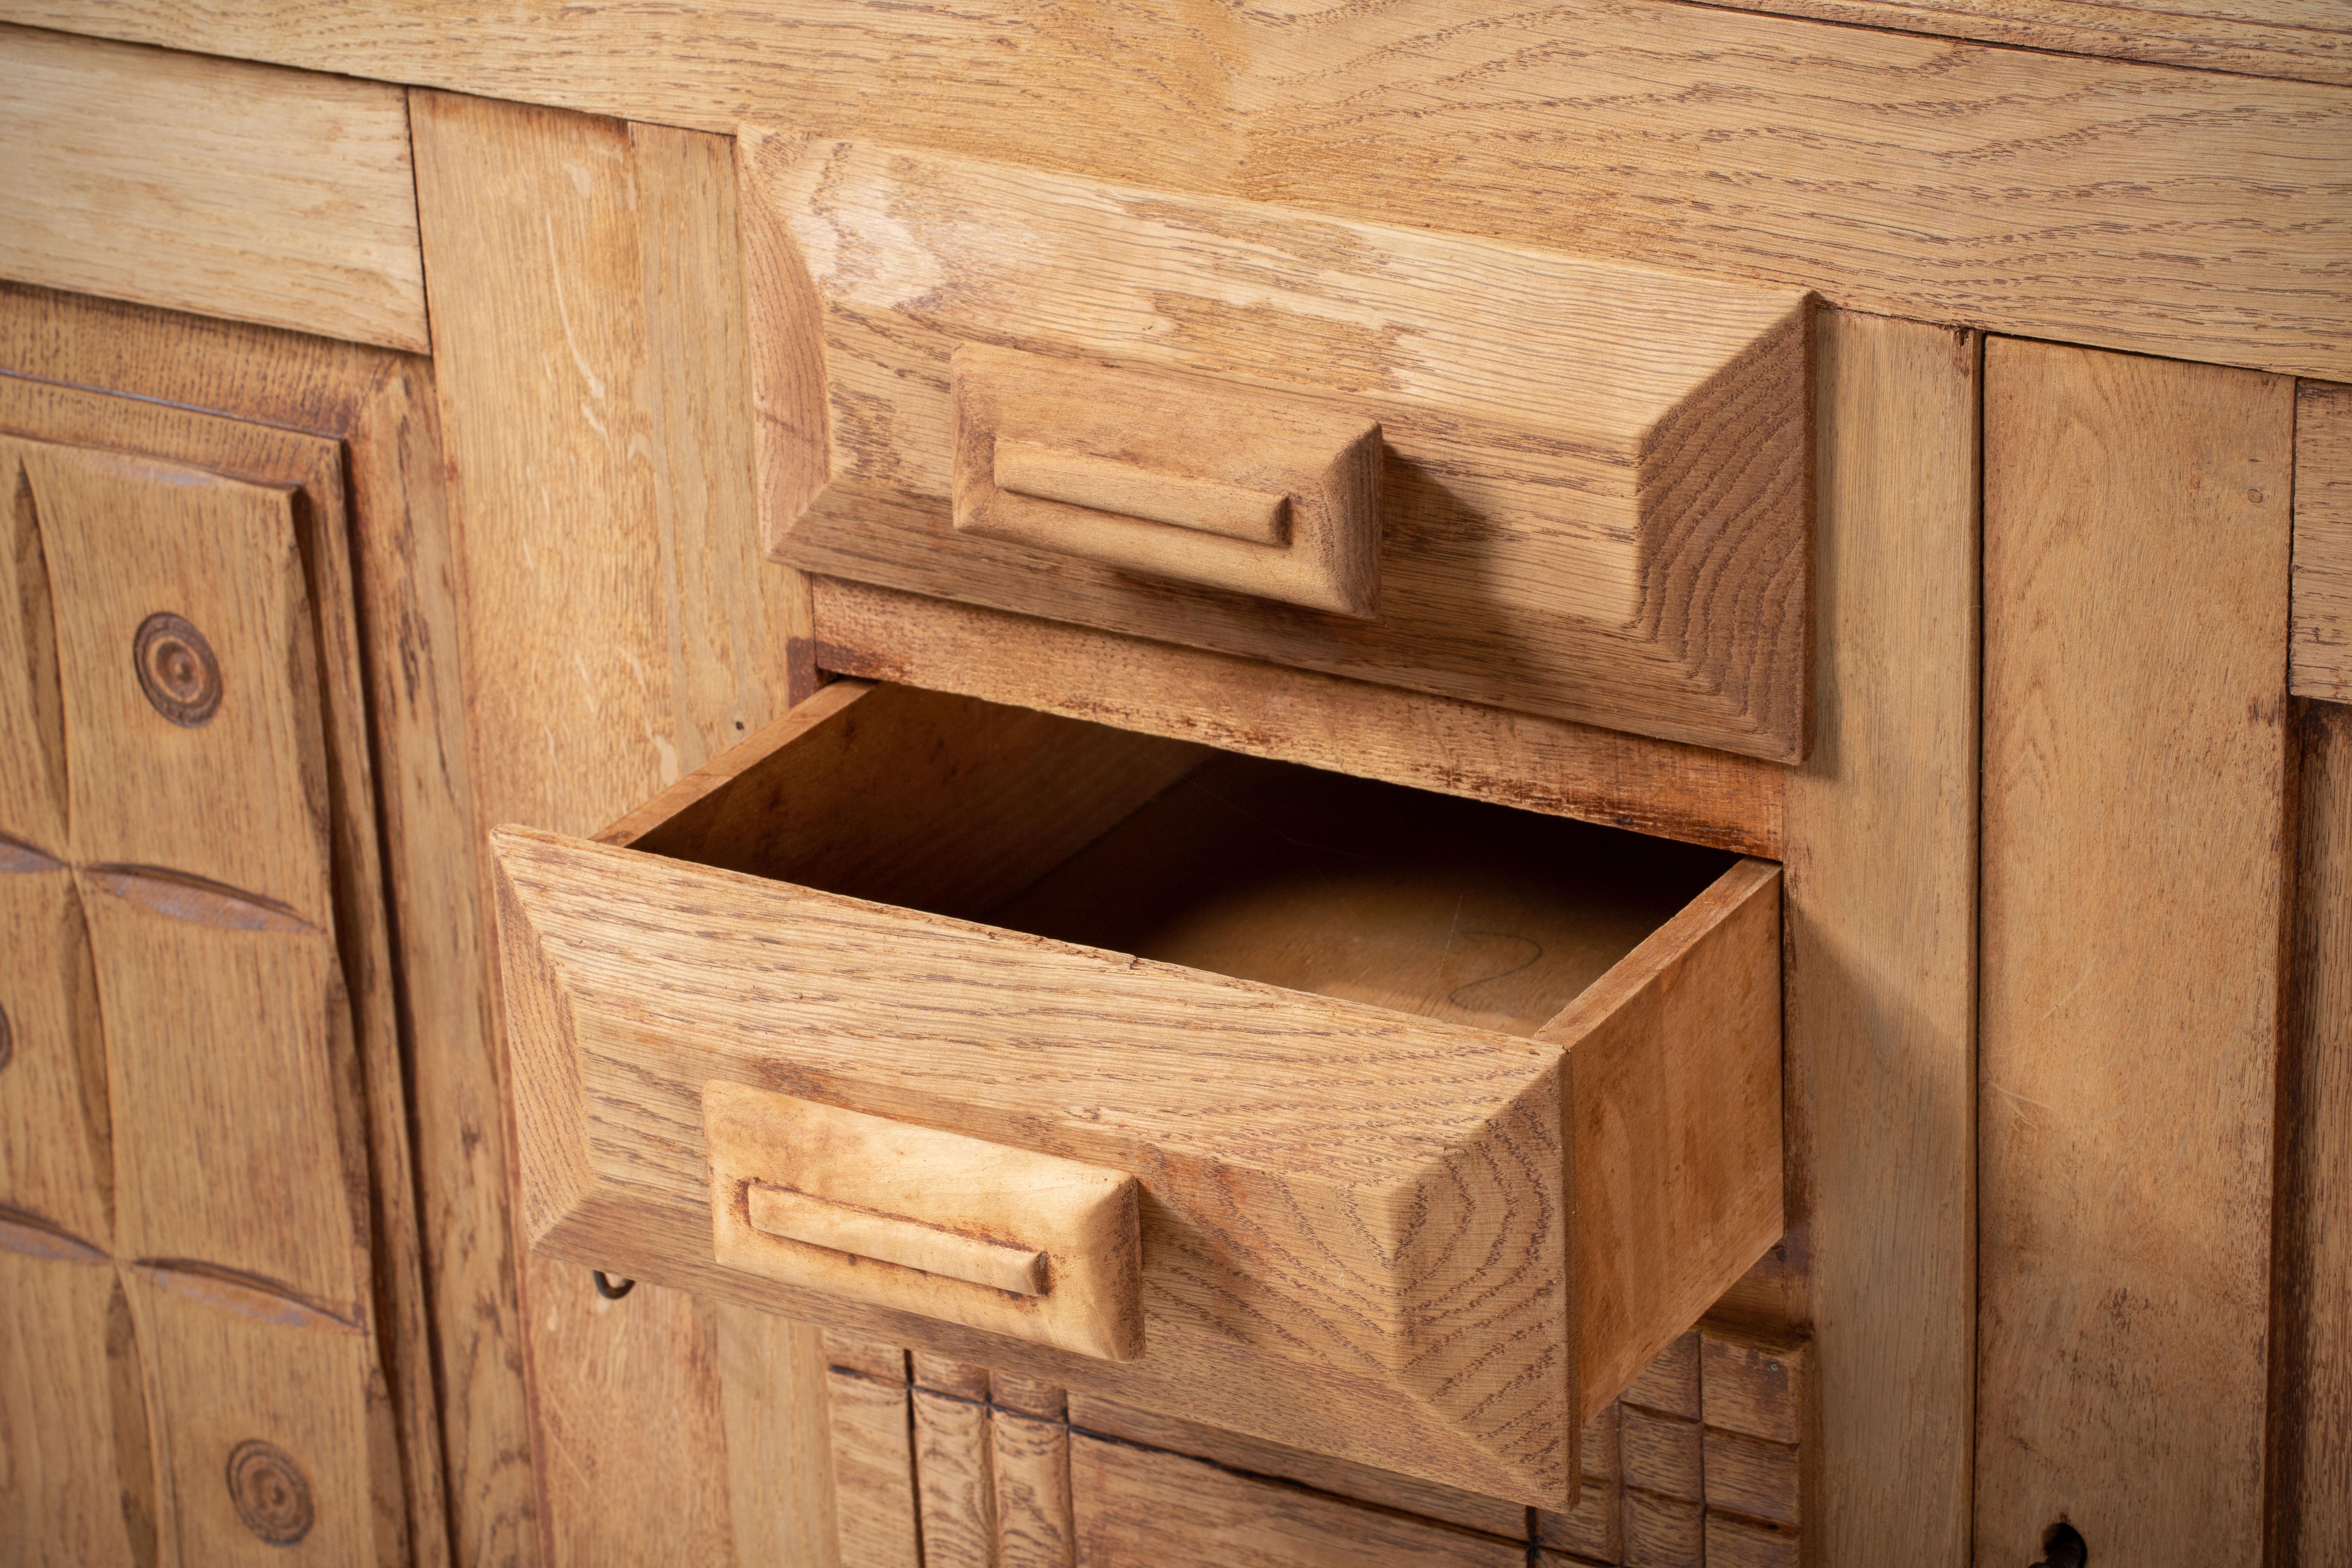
{"points": [[1454, 910]]}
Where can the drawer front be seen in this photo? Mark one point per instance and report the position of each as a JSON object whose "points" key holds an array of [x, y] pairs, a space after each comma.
{"points": [[1359, 1228], [1426, 461]]}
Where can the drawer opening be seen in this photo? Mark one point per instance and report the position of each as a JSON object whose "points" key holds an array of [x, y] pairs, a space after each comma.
{"points": [[1461, 910]]}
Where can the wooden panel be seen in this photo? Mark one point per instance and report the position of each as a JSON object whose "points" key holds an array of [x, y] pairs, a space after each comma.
{"points": [[210, 185], [1238, 1451], [1734, 145], [379, 407], [1675, 1058], [2321, 653], [242, 767], [269, 1449], [1581, 515], [873, 1473], [1880, 890], [2311, 1382], [1141, 1509], [65, 1354], [1262, 710], [2135, 566], [589, 689], [779, 1439], [57, 1159], [2306, 41]]}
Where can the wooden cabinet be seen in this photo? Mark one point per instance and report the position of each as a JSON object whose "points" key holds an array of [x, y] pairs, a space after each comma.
{"points": [[1235, 759]]}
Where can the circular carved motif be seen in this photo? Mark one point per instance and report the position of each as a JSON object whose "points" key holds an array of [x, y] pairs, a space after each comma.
{"points": [[7, 1039], [177, 669], [272, 1496]]}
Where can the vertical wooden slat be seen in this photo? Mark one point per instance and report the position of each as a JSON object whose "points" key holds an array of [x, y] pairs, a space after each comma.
{"points": [[1031, 1460], [2134, 897], [873, 1472], [535, 266], [1880, 918], [955, 1481], [779, 1440], [2311, 1382]]}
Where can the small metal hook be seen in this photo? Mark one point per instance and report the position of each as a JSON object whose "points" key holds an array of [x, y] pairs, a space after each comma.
{"points": [[612, 1290]]}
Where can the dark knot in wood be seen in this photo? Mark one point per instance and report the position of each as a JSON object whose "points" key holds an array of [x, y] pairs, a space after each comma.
{"points": [[7, 1039], [177, 669], [271, 1495]]}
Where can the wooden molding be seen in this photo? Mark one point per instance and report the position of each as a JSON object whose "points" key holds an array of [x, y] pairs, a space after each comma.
{"points": [[212, 185], [1597, 496]]}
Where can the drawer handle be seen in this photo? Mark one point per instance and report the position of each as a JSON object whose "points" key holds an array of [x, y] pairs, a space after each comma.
{"points": [[925, 1220], [1178, 477], [1124, 489], [897, 1238]]}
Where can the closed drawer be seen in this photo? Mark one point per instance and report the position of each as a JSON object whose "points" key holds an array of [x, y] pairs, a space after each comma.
{"points": [[1489, 472], [1363, 1119]]}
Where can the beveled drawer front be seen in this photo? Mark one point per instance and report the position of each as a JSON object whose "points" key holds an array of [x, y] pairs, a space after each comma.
{"points": [[1440, 1119], [1593, 490]]}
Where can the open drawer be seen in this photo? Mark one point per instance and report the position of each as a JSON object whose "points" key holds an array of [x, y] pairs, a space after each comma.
{"points": [[1412, 1128]]}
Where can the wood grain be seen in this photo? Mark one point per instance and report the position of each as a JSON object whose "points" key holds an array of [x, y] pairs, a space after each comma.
{"points": [[1031, 1460], [60, 1503], [2128, 1078], [589, 689], [2305, 40], [1581, 515], [57, 1155], [2320, 654], [779, 1439], [1137, 1507], [379, 406], [1238, 1451], [955, 1477], [1550, 765], [2310, 1380], [874, 1473], [212, 185], [1881, 891], [1742, 146]]}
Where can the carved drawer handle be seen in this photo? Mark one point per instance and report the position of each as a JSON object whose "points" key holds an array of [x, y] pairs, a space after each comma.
{"points": [[925, 1220], [1178, 477], [897, 1238]]}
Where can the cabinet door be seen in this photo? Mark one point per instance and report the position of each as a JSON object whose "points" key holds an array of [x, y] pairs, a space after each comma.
{"points": [[194, 981]]}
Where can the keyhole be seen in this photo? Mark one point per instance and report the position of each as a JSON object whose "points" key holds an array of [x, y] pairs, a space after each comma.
{"points": [[2063, 1547]]}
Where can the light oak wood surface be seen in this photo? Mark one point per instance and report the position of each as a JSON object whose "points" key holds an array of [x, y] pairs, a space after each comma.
{"points": [[379, 407], [212, 185], [1582, 514], [74, 1411], [2311, 1367], [874, 1472], [1137, 1507], [1735, 145], [2306, 41], [1551, 766], [2321, 652], [587, 690], [773, 1386], [2136, 905], [1882, 901]]}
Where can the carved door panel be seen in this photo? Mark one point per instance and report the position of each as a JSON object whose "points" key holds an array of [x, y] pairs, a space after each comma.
{"points": [[198, 1041]]}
